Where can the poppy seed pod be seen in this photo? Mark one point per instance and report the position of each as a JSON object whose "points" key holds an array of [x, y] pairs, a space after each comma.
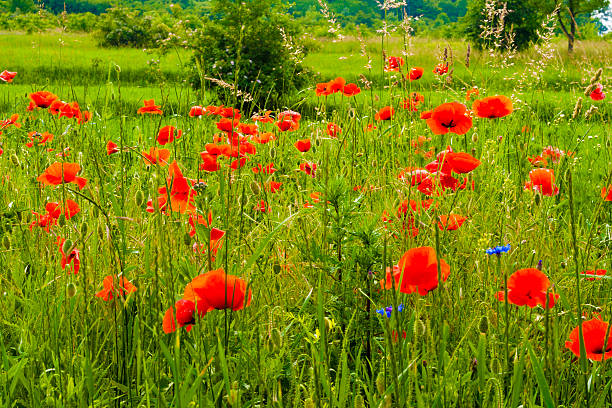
{"points": [[84, 228], [6, 242], [15, 160], [61, 221], [71, 290], [139, 198], [67, 246], [187, 239], [483, 326], [276, 339]]}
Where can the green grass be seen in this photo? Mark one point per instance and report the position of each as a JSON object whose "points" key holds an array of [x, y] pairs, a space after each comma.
{"points": [[311, 336]]}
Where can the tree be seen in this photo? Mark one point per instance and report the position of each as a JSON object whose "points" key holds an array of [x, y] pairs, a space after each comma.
{"points": [[569, 12]]}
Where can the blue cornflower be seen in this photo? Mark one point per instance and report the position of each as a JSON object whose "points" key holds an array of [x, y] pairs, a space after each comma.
{"points": [[387, 310], [498, 250]]}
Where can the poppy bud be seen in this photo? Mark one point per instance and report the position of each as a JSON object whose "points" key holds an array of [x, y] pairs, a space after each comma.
{"points": [[187, 239], [83, 228], [276, 268], [308, 403], [71, 290], [67, 246], [273, 153], [276, 339], [483, 326], [139, 198], [380, 383], [359, 401], [95, 211], [6, 242], [537, 199], [255, 189], [474, 137], [61, 221], [15, 160]]}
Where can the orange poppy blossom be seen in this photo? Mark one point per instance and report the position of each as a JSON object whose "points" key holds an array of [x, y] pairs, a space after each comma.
{"points": [[72, 259], [413, 102], [265, 118], [415, 73], [167, 134], [303, 145], [52, 213], [417, 271], [606, 193], [394, 64], [441, 69], [351, 90], [39, 139], [156, 156], [267, 169], [385, 113], [529, 287], [42, 99], [12, 121], [7, 76], [308, 168], [111, 148], [263, 138], [59, 173], [209, 291], [462, 163], [196, 111], [331, 87], [451, 223], [150, 108], [214, 234], [542, 180], [181, 192], [448, 117], [262, 207], [288, 121], [598, 94], [470, 92], [492, 107], [123, 289], [333, 130], [594, 333]]}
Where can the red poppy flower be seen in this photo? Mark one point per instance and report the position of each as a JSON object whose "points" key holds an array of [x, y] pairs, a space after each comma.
{"points": [[265, 118], [394, 64], [451, 223], [124, 288], [529, 287], [262, 207], [417, 271], [470, 92], [267, 169], [209, 162], [492, 107], [336, 85], [7, 76], [323, 89], [185, 316], [594, 333], [70, 209], [111, 148], [248, 129], [542, 180], [415, 73], [181, 192], [45, 221], [196, 111], [554, 153], [333, 130], [594, 275], [413, 102], [167, 134], [12, 121], [239, 163], [441, 69], [156, 156], [221, 291], [351, 90], [308, 168], [449, 117], [303, 145], [597, 94], [385, 113], [462, 163], [273, 186], [59, 173], [263, 138], [230, 113], [72, 259], [606, 193], [43, 99], [538, 161], [150, 107]]}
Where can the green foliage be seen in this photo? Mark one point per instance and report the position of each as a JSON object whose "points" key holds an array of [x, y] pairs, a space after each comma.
{"points": [[123, 27], [506, 24], [243, 45]]}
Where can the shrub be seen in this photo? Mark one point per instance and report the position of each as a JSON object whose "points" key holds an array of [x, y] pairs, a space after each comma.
{"points": [[123, 27]]}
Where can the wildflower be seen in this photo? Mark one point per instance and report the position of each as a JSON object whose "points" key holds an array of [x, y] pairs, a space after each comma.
{"points": [[43, 99], [470, 92], [39, 139], [267, 169], [394, 64], [124, 288], [350, 90], [265, 118], [451, 223], [70, 209], [542, 180], [262, 207], [71, 259], [597, 94], [59, 173], [462, 163], [12, 121], [448, 117], [492, 107], [385, 113], [221, 291], [387, 310], [111, 148], [7, 76], [156, 156], [441, 69], [184, 316], [150, 107], [333, 130], [415, 73], [303, 145], [181, 192], [498, 250], [529, 287], [248, 129], [413, 102], [167, 134], [606, 193], [594, 333], [308, 168], [417, 271], [288, 121], [196, 111], [594, 275]]}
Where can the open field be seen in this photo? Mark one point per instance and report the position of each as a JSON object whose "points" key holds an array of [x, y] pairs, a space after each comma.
{"points": [[115, 304]]}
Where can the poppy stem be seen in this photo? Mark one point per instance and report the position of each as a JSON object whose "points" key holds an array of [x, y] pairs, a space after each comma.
{"points": [[506, 312]]}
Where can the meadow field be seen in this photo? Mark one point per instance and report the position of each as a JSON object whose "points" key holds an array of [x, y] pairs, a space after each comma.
{"points": [[391, 237]]}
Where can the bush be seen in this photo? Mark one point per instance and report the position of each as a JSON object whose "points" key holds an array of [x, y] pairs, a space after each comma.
{"points": [[243, 45], [122, 27]]}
